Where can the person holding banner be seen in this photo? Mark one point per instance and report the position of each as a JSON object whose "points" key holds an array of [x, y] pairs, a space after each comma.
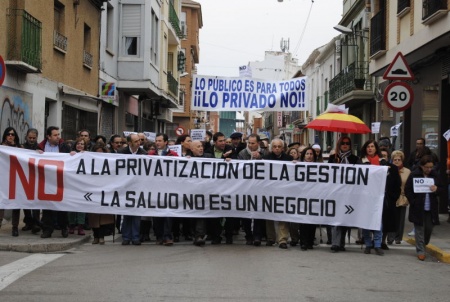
{"points": [[423, 202], [77, 218], [163, 225], [10, 138], [101, 224], [115, 143], [252, 152], [223, 151], [236, 144], [53, 143], [197, 151], [131, 224], [32, 218], [343, 155], [370, 154], [277, 153], [185, 142], [307, 231]]}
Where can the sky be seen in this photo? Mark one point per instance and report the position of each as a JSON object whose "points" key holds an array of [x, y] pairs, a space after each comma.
{"points": [[236, 32]]}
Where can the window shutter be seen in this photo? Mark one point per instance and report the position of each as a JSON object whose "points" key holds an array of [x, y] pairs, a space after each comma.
{"points": [[131, 20]]}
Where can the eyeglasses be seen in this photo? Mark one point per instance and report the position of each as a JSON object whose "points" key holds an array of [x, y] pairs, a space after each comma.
{"points": [[397, 159], [10, 134], [345, 143]]}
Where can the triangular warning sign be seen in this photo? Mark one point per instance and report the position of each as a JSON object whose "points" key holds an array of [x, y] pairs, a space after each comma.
{"points": [[399, 69]]}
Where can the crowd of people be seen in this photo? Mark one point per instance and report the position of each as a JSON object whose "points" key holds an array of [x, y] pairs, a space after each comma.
{"points": [[399, 192]]}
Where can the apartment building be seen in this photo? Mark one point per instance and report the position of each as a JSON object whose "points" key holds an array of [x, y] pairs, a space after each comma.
{"points": [[51, 52], [140, 44], [191, 23], [420, 30]]}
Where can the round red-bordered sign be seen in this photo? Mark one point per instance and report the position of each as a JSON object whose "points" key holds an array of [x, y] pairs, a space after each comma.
{"points": [[399, 96], [2, 70], [180, 131]]}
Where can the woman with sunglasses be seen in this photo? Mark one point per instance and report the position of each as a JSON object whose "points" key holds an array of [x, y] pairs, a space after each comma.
{"points": [[342, 155], [423, 206], [11, 138]]}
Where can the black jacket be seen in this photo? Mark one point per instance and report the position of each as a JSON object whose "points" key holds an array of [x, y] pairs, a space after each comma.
{"points": [[417, 200]]}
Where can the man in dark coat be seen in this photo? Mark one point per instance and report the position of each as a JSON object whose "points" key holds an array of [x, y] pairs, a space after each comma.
{"points": [[131, 224], [163, 225], [53, 143], [199, 223]]}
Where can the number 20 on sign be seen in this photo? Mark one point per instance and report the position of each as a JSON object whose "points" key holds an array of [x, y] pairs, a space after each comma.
{"points": [[399, 96]]}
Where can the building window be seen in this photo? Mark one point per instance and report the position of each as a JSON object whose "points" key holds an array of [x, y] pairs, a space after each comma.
{"points": [[154, 38], [59, 17], [87, 55], [170, 62], [131, 29], [59, 40], [109, 27], [183, 25]]}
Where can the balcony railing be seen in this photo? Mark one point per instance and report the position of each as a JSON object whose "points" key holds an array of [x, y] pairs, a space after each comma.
{"points": [[59, 41], [377, 33], [173, 84], [349, 79], [432, 6], [87, 59], [173, 19], [24, 39]]}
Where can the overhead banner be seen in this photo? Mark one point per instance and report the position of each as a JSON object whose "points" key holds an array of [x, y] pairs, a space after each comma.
{"points": [[246, 94], [316, 193]]}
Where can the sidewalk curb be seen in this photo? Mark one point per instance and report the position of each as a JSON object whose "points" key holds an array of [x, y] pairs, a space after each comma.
{"points": [[433, 250], [44, 247]]}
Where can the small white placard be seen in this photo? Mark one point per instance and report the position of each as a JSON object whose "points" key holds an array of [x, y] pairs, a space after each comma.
{"points": [[447, 135], [176, 148], [198, 134], [375, 127], [151, 136], [422, 185]]}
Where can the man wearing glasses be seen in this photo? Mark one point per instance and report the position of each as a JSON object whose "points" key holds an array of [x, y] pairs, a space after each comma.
{"points": [[115, 143]]}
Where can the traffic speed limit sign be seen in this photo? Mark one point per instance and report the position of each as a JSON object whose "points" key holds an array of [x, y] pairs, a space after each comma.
{"points": [[398, 96]]}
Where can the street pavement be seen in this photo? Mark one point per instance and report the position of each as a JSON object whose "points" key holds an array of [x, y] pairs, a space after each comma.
{"points": [[439, 246]]}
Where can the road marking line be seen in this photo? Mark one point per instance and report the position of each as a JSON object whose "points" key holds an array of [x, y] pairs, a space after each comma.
{"points": [[17, 269]]}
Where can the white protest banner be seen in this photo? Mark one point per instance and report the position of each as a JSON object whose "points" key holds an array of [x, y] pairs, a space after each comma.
{"points": [[198, 134], [246, 94], [143, 185], [176, 148], [423, 185]]}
